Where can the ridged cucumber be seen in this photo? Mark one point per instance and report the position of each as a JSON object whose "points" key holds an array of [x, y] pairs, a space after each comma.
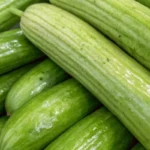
{"points": [[116, 79], [138, 147], [122, 21], [16, 50], [8, 79], [144, 2], [2, 122], [43, 76], [46, 116], [99, 131], [7, 19]]}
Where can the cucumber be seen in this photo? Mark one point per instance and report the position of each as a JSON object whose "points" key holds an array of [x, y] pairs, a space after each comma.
{"points": [[122, 21], [43, 76], [16, 50], [7, 19], [144, 2], [99, 131], [116, 79], [46, 116], [2, 122], [8, 79], [138, 147]]}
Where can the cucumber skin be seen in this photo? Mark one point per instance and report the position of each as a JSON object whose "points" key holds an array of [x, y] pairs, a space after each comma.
{"points": [[100, 130], [45, 75], [138, 147], [8, 79], [116, 79], [2, 122], [16, 50], [7, 19], [46, 116], [121, 21], [144, 2]]}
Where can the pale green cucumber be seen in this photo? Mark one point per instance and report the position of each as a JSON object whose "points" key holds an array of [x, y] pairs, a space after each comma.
{"points": [[117, 80], [7, 19], [8, 79], [2, 122], [36, 124], [144, 2], [126, 22], [138, 147], [45, 75], [16, 50], [99, 131]]}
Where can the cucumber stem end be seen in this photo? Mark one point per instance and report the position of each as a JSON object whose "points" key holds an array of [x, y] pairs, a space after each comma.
{"points": [[16, 11]]}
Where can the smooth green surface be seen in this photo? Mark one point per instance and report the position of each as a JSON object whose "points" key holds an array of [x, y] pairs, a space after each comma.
{"points": [[8, 79], [99, 131], [7, 19], [46, 116], [16, 50], [117, 80], [144, 2], [126, 22], [138, 147], [2, 122], [45, 75]]}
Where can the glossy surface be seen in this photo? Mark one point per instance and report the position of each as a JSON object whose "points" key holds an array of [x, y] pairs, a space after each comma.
{"points": [[126, 22], [45, 75], [99, 131], [16, 50], [46, 116], [138, 147], [2, 122], [116, 79], [7, 19]]}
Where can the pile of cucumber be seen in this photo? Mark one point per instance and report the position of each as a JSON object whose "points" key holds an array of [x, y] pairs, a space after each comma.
{"points": [[75, 75]]}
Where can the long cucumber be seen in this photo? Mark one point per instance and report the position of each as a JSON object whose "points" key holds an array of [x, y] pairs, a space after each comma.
{"points": [[16, 50], [116, 79], [126, 22], [46, 116], [8, 79], [99, 131], [45, 75]]}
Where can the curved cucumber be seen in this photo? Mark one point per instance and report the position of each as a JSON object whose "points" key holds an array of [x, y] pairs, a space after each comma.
{"points": [[2, 122], [144, 2], [8, 79], [43, 76], [7, 19], [117, 80], [46, 116], [16, 50], [99, 131], [122, 21], [138, 147]]}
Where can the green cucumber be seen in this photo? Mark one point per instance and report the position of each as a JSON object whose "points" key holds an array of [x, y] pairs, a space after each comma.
{"points": [[46, 116], [116, 79], [8, 79], [138, 147], [144, 2], [16, 50], [126, 22], [99, 131], [2, 122], [7, 19], [45, 75]]}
